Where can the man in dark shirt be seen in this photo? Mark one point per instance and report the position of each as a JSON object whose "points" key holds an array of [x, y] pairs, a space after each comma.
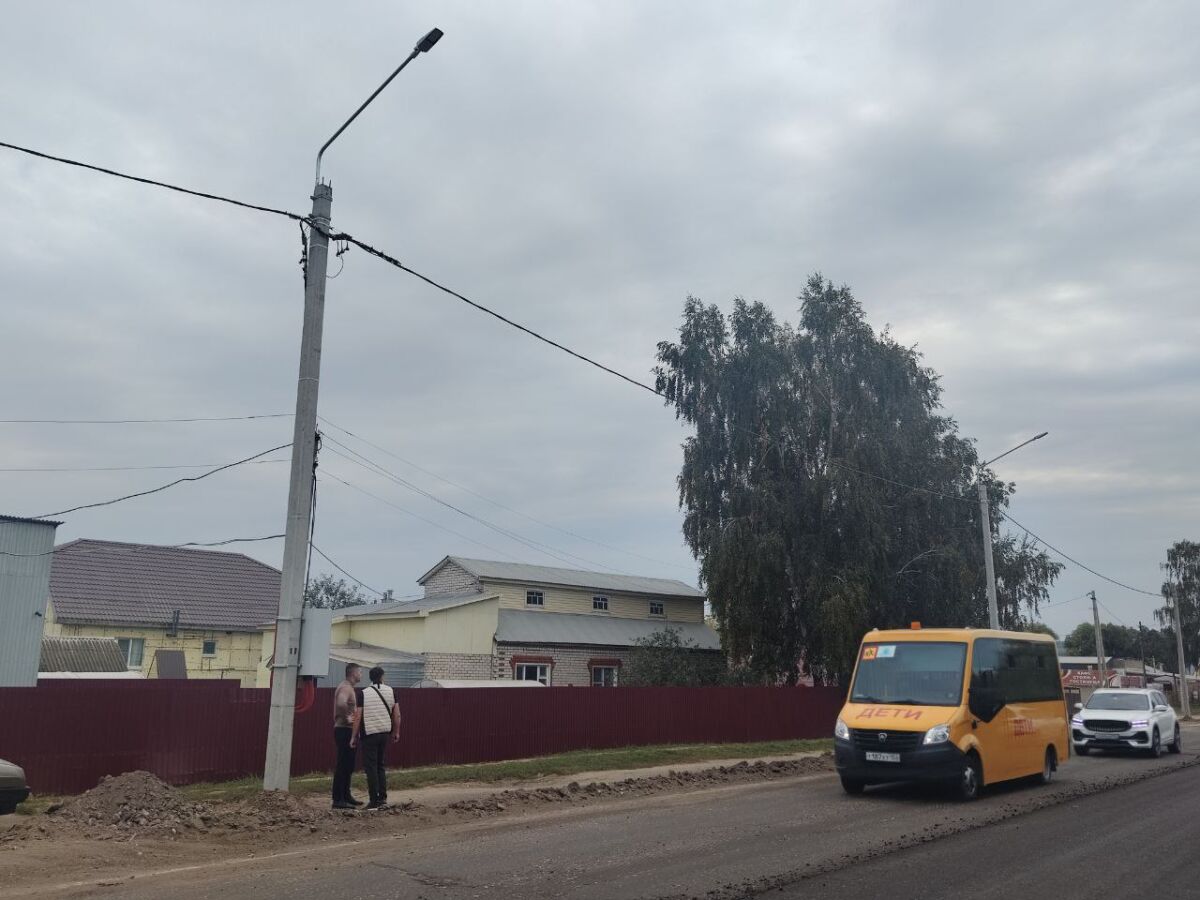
{"points": [[345, 705]]}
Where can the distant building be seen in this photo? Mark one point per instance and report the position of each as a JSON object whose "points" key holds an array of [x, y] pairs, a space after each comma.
{"points": [[208, 604], [26, 548], [484, 620], [83, 657]]}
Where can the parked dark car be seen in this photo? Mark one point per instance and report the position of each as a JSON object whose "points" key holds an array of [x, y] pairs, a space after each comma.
{"points": [[13, 788]]}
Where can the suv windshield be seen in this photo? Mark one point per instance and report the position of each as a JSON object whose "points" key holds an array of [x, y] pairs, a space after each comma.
{"points": [[910, 673], [1101, 700]]}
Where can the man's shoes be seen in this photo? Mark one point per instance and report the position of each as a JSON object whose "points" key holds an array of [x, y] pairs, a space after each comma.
{"points": [[353, 801], [382, 804], [341, 805]]}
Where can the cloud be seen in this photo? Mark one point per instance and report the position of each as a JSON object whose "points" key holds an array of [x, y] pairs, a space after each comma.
{"points": [[1011, 189]]}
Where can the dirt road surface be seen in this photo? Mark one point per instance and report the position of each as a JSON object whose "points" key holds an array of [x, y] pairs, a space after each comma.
{"points": [[788, 837]]}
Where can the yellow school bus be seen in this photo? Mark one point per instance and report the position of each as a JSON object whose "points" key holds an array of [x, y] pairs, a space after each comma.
{"points": [[965, 707]]}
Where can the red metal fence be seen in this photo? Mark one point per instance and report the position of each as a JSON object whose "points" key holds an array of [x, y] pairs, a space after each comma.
{"points": [[68, 734]]}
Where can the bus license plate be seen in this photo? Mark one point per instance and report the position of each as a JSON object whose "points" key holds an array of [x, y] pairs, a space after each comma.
{"points": [[882, 757]]}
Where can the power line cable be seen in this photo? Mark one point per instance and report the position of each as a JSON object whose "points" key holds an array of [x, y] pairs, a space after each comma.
{"points": [[152, 183], [62, 469], [325, 473], [370, 465], [343, 571], [497, 503], [1071, 559], [164, 487], [142, 421], [391, 260], [73, 549]]}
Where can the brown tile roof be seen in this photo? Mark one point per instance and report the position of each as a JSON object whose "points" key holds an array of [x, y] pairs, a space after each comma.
{"points": [[110, 583], [81, 654]]}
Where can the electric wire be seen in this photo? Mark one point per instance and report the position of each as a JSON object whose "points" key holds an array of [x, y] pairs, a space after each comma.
{"points": [[142, 421], [361, 584], [391, 260], [1076, 562], [151, 182], [60, 469], [370, 465], [73, 549], [497, 503], [164, 487]]}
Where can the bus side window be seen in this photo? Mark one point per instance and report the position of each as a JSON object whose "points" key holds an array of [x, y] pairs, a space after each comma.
{"points": [[987, 684]]}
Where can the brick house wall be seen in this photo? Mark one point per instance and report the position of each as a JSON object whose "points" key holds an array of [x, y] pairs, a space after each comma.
{"points": [[451, 579], [569, 664], [458, 665]]}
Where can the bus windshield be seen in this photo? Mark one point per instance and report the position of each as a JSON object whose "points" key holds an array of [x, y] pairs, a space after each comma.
{"points": [[911, 673]]}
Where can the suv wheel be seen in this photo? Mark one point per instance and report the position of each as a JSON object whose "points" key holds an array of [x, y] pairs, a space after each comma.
{"points": [[1177, 745], [1156, 744], [853, 786]]}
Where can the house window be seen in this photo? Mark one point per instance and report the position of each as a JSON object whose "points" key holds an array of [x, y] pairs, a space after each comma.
{"points": [[600, 603], [210, 648], [133, 649], [532, 672], [535, 598], [656, 608], [604, 676]]}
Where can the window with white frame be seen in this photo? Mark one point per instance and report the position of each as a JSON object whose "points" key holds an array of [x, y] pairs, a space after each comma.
{"points": [[604, 676], [535, 598], [209, 648], [600, 603], [532, 672], [133, 648], [657, 608]]}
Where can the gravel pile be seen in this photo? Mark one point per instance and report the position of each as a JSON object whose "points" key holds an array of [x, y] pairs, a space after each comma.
{"points": [[134, 801], [655, 784]]}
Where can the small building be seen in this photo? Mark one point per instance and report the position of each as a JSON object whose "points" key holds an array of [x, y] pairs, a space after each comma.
{"points": [[83, 657], [26, 549], [482, 620], [208, 604]]}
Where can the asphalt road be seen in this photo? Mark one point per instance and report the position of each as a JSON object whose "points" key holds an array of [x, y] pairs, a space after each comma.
{"points": [[795, 838]]}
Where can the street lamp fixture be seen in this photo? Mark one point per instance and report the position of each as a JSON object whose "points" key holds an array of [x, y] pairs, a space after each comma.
{"points": [[985, 523]]}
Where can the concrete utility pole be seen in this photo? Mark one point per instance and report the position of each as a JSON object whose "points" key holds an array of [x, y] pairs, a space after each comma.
{"points": [[1185, 699], [285, 668], [1099, 640], [985, 522]]}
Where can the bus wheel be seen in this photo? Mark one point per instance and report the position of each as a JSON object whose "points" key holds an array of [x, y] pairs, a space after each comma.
{"points": [[1049, 766], [853, 786], [970, 779]]}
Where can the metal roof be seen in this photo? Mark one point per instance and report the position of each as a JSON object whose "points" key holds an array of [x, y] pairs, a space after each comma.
{"points": [[26, 521], [110, 583], [601, 581], [81, 654], [414, 607], [518, 626], [367, 655]]}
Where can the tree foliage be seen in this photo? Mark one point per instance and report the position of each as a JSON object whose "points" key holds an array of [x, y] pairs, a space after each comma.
{"points": [[1183, 587], [794, 488], [327, 592], [665, 658], [1123, 642]]}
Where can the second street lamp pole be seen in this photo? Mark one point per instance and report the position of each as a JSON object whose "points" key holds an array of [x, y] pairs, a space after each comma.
{"points": [[285, 667], [985, 522]]}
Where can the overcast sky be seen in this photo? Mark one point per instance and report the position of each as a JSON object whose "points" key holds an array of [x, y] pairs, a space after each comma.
{"points": [[1013, 189]]}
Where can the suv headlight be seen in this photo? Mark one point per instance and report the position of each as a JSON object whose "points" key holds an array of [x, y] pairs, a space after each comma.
{"points": [[1140, 723], [1076, 720], [938, 734], [841, 731]]}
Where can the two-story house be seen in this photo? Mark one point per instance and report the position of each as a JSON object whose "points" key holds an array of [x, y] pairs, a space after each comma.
{"points": [[481, 619]]}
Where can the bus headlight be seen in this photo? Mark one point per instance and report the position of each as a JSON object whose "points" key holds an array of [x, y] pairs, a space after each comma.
{"points": [[841, 731], [938, 734]]}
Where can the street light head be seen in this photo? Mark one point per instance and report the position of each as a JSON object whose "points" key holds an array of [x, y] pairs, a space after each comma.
{"points": [[426, 43], [1040, 436]]}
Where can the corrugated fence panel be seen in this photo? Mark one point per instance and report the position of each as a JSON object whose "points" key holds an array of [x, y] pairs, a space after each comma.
{"points": [[69, 734]]}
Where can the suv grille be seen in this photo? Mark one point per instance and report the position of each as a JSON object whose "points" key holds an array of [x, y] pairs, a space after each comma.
{"points": [[894, 742], [1106, 725]]}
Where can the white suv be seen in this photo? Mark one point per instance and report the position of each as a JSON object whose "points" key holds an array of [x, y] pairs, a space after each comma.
{"points": [[1133, 719]]}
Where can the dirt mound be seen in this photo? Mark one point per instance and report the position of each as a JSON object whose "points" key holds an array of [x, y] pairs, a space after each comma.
{"points": [[134, 801], [654, 784], [269, 810]]}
